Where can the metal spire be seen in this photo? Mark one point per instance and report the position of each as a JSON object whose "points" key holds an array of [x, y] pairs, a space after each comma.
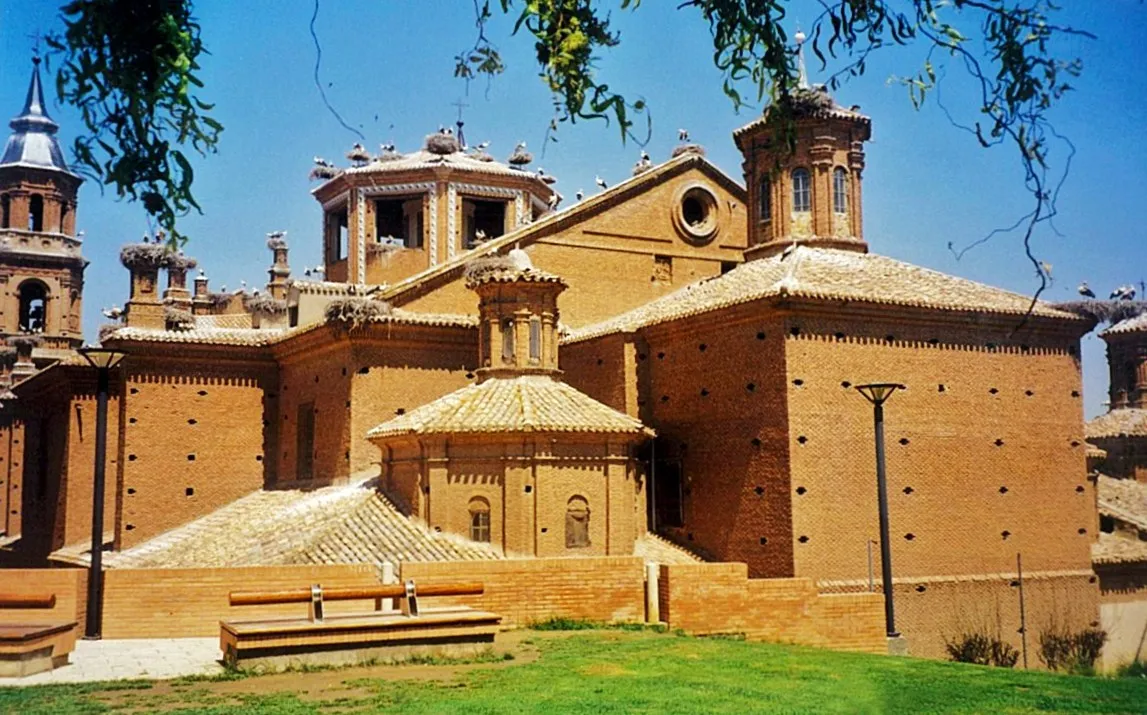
{"points": [[802, 78], [33, 141]]}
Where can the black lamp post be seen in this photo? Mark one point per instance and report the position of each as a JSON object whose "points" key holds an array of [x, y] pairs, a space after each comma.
{"points": [[877, 394], [103, 360]]}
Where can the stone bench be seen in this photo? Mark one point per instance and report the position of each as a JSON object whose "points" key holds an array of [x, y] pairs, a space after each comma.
{"points": [[36, 646], [271, 644]]}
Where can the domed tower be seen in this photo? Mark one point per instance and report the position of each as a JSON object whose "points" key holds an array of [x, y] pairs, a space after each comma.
{"points": [[41, 266], [804, 187], [518, 315]]}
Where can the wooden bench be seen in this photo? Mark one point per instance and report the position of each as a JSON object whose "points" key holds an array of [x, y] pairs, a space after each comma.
{"points": [[390, 635], [33, 647]]}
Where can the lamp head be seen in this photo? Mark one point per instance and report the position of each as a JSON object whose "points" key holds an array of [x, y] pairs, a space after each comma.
{"points": [[878, 392], [101, 357]]}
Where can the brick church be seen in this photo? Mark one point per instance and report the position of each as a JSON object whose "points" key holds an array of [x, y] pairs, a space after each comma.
{"points": [[487, 370]]}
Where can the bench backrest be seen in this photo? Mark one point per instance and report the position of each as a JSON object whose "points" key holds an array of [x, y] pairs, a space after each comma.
{"points": [[24, 600], [408, 592]]}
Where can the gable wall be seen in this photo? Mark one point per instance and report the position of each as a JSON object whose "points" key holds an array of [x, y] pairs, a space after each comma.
{"points": [[608, 259]]}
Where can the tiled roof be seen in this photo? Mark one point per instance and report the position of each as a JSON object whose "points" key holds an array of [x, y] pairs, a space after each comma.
{"points": [[423, 159], [835, 111], [528, 403], [331, 525], [251, 337], [1123, 422], [554, 219], [658, 550], [1137, 324], [829, 274], [1117, 549], [1124, 500], [230, 320]]}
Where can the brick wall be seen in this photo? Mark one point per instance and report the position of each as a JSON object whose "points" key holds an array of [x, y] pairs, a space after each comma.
{"points": [[715, 393], [68, 585], [721, 598], [525, 590], [605, 369], [187, 603], [984, 444], [192, 442], [1123, 612], [79, 476], [931, 611], [321, 378]]}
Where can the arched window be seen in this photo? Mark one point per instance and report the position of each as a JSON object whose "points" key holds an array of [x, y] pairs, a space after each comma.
{"points": [[577, 523], [33, 306], [535, 339], [480, 520], [508, 340], [36, 213], [5, 211], [839, 190], [801, 195], [765, 199]]}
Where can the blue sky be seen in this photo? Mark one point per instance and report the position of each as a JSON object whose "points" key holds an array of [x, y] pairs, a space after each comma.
{"points": [[387, 67]]}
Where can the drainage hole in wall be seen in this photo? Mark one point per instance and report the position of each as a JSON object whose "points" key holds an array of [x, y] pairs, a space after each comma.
{"points": [[751, 387], [801, 490], [1074, 443], [761, 335], [908, 490], [189, 491], [846, 384], [192, 421], [803, 539], [400, 411], [802, 439], [940, 388], [665, 398], [127, 527], [529, 489], [758, 490], [764, 540], [131, 490], [921, 588], [133, 391], [316, 378], [702, 347], [202, 393], [660, 356], [600, 361], [999, 443], [1003, 490], [1082, 531], [469, 376], [910, 536], [1029, 393], [798, 382], [258, 458], [1079, 489], [756, 441], [131, 457], [191, 458], [1005, 533], [1075, 393], [704, 392], [344, 372], [993, 391], [904, 440], [131, 420]]}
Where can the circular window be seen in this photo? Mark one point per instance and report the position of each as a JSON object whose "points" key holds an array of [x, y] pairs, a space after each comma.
{"points": [[696, 214]]}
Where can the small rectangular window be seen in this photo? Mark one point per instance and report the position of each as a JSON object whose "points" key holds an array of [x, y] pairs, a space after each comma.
{"points": [[336, 235], [480, 526], [663, 269]]}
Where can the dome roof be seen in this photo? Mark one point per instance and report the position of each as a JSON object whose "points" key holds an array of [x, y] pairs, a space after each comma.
{"points": [[33, 141]]}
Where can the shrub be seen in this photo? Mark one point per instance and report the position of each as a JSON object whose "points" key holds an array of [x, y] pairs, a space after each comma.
{"points": [[982, 649], [1134, 669], [1069, 652], [564, 623]]}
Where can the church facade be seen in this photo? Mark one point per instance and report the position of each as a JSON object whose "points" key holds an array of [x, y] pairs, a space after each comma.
{"points": [[674, 355]]}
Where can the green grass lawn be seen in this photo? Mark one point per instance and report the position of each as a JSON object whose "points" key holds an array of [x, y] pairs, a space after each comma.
{"points": [[616, 671]]}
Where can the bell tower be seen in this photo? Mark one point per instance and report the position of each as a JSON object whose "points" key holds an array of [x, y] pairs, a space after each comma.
{"points": [[41, 265], [803, 161]]}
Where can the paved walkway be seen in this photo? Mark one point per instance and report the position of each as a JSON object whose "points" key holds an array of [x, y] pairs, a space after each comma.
{"points": [[153, 659]]}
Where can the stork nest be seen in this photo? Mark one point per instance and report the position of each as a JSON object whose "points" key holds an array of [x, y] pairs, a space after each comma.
{"points": [[389, 156], [520, 158], [139, 256], [805, 102], [276, 243], [7, 356], [323, 173], [1104, 311], [548, 179], [264, 305], [482, 269], [641, 167], [688, 148], [27, 342], [358, 155], [219, 300], [442, 144], [107, 329], [178, 319], [177, 262], [354, 312], [481, 156]]}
